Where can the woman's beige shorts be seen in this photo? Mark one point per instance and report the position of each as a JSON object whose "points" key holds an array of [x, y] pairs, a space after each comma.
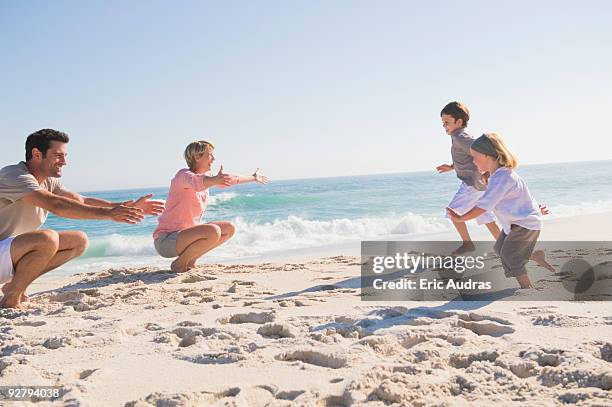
{"points": [[165, 244]]}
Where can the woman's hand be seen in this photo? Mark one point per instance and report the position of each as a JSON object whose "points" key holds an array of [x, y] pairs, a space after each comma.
{"points": [[222, 179], [262, 179]]}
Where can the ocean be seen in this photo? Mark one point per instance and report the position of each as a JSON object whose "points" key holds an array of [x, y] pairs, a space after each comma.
{"points": [[309, 213]]}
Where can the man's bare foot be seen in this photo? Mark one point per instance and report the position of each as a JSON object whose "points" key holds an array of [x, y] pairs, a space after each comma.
{"points": [[178, 267], [11, 298], [539, 257], [464, 248]]}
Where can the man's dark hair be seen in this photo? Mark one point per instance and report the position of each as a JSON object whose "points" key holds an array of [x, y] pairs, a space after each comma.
{"points": [[42, 139], [458, 111]]}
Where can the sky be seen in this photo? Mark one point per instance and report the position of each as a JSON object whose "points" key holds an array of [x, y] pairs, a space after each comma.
{"points": [[302, 89]]}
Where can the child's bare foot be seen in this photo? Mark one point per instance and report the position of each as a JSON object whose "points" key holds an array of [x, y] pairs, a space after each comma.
{"points": [[178, 267], [539, 257], [464, 248], [12, 298], [524, 281]]}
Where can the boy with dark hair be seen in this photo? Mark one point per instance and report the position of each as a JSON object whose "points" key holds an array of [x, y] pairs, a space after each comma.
{"points": [[455, 117]]}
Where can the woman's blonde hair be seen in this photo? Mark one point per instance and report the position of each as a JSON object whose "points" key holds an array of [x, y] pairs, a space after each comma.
{"points": [[193, 149], [505, 157]]}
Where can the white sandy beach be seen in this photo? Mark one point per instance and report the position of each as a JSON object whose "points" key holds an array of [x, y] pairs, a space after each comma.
{"points": [[295, 332]]}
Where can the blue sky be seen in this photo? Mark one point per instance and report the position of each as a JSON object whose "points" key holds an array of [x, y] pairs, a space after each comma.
{"points": [[300, 88]]}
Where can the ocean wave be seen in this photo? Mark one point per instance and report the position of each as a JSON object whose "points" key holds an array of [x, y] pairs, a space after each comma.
{"points": [[221, 197], [582, 208], [295, 232], [254, 238], [120, 245]]}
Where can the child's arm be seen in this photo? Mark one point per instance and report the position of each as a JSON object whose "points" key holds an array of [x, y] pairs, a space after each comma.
{"points": [[471, 214], [445, 168]]}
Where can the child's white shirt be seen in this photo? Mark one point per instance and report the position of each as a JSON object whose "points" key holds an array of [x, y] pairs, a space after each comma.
{"points": [[509, 198]]}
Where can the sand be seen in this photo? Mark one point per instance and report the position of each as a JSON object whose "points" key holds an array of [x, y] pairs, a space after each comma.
{"points": [[297, 333]]}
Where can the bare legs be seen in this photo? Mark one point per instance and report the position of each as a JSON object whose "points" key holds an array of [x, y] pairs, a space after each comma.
{"points": [[467, 245], [35, 253], [194, 242]]}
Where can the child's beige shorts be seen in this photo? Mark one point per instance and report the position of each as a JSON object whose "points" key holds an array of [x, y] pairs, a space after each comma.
{"points": [[515, 249]]}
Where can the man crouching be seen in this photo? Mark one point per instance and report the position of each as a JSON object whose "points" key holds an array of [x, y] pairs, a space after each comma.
{"points": [[28, 192]]}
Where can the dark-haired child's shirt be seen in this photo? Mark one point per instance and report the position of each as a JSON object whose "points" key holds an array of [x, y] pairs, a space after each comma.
{"points": [[462, 160]]}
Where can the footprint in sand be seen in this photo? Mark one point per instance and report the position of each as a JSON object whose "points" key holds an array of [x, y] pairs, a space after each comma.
{"points": [[605, 352], [276, 331], [196, 278], [314, 357], [490, 328], [463, 361], [56, 342], [86, 373], [251, 317]]}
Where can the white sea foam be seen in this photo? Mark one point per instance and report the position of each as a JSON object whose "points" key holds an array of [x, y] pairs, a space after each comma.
{"points": [[221, 197], [583, 208], [294, 232]]}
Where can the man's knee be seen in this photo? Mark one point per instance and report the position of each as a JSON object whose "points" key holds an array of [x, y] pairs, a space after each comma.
{"points": [[47, 239], [81, 242]]}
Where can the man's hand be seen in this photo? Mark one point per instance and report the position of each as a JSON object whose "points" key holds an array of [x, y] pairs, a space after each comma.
{"points": [[262, 179], [444, 168], [126, 214], [148, 206], [544, 209], [222, 178]]}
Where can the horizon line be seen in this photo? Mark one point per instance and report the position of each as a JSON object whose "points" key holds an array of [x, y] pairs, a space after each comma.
{"points": [[352, 175]]}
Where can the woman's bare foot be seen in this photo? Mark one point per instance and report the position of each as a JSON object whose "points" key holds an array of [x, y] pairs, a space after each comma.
{"points": [[464, 248], [539, 257], [178, 267], [192, 264]]}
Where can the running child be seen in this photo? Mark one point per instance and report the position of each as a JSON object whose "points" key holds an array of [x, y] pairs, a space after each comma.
{"points": [[508, 197], [455, 117]]}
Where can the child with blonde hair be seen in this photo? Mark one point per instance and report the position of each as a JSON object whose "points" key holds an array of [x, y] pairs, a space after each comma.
{"points": [[179, 232], [508, 197]]}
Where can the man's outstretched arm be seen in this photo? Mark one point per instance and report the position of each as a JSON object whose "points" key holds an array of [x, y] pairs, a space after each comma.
{"points": [[148, 206], [74, 209]]}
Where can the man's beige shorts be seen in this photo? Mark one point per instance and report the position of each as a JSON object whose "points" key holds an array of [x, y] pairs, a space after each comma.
{"points": [[6, 263]]}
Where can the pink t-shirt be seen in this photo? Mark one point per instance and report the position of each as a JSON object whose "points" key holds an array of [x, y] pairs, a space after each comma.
{"points": [[186, 202]]}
